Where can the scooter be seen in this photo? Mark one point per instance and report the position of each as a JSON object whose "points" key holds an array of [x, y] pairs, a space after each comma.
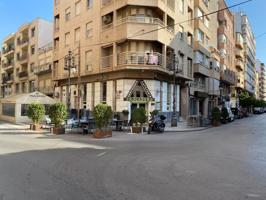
{"points": [[157, 124]]}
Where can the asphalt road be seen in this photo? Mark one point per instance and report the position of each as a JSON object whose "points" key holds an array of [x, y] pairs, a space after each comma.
{"points": [[225, 163]]}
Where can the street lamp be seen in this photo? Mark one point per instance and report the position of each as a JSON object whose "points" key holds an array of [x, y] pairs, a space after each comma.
{"points": [[175, 62], [69, 65]]}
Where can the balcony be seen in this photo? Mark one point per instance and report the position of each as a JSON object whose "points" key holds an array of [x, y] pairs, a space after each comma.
{"points": [[198, 46], [228, 76], [106, 3], [239, 53], [8, 65], [215, 73], [199, 87], [240, 64], [107, 61], [8, 50], [131, 26], [239, 41], [23, 74], [23, 59], [140, 59], [43, 69], [8, 79], [200, 68], [23, 42]]}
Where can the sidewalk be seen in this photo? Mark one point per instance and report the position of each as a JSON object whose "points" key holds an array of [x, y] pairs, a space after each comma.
{"points": [[183, 127]]}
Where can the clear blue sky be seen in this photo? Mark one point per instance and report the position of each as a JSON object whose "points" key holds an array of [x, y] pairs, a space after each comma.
{"points": [[13, 13]]}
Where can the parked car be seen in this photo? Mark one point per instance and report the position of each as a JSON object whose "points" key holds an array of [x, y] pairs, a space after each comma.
{"points": [[258, 110]]}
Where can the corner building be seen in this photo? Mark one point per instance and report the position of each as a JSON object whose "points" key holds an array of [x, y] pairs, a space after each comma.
{"points": [[20, 57], [125, 53]]}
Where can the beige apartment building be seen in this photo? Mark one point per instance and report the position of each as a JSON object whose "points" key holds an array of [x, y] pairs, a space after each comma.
{"points": [[226, 44], [261, 80], [20, 57], [43, 70], [205, 88], [124, 52]]}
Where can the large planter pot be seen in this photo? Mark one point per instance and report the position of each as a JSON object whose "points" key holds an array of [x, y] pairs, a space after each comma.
{"points": [[59, 130], [35, 127], [216, 123], [98, 134], [137, 130]]}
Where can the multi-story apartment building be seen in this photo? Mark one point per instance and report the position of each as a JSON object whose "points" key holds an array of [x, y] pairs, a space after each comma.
{"points": [[43, 70], [226, 45], [124, 53], [243, 26], [20, 56], [261, 86], [205, 89]]}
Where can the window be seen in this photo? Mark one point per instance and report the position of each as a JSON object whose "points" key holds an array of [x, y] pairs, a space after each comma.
{"points": [[17, 88], [67, 14], [182, 6], [33, 32], [181, 28], [199, 57], [89, 4], [104, 92], [67, 39], [200, 35], [32, 67], [77, 34], [89, 30], [32, 50], [8, 109], [199, 14], [77, 8], [206, 22], [88, 60], [207, 42]]}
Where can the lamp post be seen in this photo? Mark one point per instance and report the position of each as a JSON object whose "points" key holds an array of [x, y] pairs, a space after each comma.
{"points": [[69, 64], [175, 63]]}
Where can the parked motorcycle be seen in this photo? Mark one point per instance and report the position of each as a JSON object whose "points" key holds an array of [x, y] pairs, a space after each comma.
{"points": [[156, 124]]}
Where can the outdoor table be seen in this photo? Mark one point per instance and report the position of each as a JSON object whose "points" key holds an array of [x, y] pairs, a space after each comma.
{"points": [[118, 124]]}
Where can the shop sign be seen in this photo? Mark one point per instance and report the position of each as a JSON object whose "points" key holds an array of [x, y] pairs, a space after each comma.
{"points": [[139, 99]]}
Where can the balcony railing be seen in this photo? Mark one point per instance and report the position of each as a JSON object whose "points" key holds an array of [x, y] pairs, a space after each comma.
{"points": [[140, 58], [22, 58], [23, 74], [23, 41], [228, 76], [107, 61], [7, 79], [199, 86], [144, 20], [43, 69], [8, 64], [8, 49]]}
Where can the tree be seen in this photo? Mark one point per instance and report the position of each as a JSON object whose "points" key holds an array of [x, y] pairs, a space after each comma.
{"points": [[58, 113], [36, 112], [139, 116], [102, 114]]}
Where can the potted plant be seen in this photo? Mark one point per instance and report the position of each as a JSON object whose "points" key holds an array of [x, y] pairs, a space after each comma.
{"points": [[36, 113], [224, 115], [139, 117], [58, 114], [216, 116], [102, 114]]}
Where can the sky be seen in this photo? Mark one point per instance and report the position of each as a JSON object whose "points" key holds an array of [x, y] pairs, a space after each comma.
{"points": [[14, 13]]}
